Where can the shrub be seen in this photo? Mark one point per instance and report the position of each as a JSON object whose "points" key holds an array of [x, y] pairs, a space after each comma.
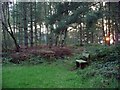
{"points": [[43, 53], [6, 60], [18, 57], [61, 52], [108, 69], [117, 49]]}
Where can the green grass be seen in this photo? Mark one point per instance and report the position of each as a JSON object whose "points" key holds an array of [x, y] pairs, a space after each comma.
{"points": [[0, 75], [55, 75], [43, 76]]}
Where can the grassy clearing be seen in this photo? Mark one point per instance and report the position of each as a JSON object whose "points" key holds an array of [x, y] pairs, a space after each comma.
{"points": [[39, 76], [55, 75], [38, 72]]}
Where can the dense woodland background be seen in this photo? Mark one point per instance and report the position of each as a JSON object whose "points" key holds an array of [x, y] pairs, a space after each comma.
{"points": [[59, 23], [42, 41]]}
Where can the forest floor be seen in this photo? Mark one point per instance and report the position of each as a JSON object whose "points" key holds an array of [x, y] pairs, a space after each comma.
{"points": [[39, 72]]}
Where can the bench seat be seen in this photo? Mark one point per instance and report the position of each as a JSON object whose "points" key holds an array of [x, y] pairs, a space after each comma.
{"points": [[81, 61]]}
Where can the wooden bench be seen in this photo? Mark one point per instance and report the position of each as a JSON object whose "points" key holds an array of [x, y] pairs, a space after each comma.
{"points": [[84, 61]]}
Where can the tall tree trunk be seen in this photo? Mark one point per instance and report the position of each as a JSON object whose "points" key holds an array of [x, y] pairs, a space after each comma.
{"points": [[14, 13], [50, 39], [47, 34], [103, 32], [116, 34], [40, 34], [4, 39], [31, 25], [4, 32], [56, 39], [92, 37], [65, 30], [25, 24], [64, 38], [117, 24], [11, 33], [109, 22], [1, 14], [1, 44], [51, 31], [36, 36], [19, 25]]}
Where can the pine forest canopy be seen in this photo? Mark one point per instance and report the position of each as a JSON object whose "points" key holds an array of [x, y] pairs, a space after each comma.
{"points": [[59, 23]]}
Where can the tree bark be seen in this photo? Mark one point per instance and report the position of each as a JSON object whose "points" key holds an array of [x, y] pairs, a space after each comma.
{"points": [[31, 25], [36, 36], [11, 34], [25, 24]]}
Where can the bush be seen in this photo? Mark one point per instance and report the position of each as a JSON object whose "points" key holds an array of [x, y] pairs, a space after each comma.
{"points": [[19, 56], [105, 53], [117, 49], [43, 53], [6, 60], [108, 69], [108, 64], [61, 52], [54, 52]]}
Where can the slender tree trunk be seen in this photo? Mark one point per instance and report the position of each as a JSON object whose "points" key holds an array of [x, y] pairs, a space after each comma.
{"points": [[31, 25], [81, 34], [116, 34], [64, 38], [12, 35], [36, 36], [47, 35], [103, 32], [1, 14], [40, 34], [117, 29], [50, 39], [22, 24], [92, 37], [19, 24], [4, 38], [56, 39], [109, 23], [51, 31], [25, 24], [65, 31], [14, 17], [117, 24], [4, 32]]}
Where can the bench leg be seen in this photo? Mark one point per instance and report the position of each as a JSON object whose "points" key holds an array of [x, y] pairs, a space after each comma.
{"points": [[77, 64]]}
